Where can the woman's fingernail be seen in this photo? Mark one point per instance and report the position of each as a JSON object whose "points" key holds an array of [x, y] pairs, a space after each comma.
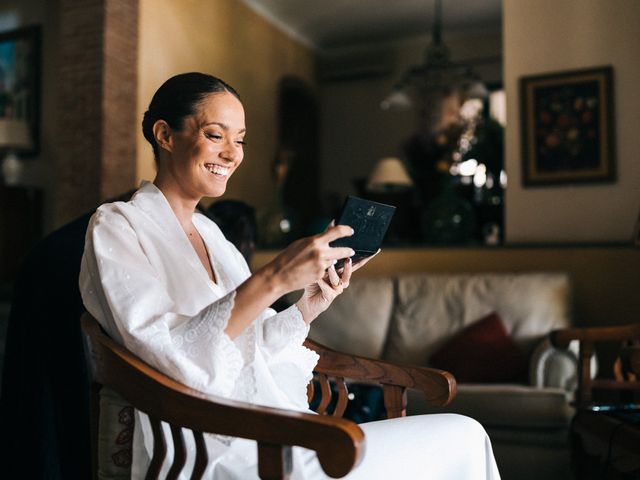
{"points": [[352, 253]]}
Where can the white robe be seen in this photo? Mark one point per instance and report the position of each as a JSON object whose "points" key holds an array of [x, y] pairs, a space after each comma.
{"points": [[143, 281]]}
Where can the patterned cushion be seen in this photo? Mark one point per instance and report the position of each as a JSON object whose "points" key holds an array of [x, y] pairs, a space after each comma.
{"points": [[115, 436]]}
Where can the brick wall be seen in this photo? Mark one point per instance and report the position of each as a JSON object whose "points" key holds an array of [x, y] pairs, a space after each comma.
{"points": [[97, 98]]}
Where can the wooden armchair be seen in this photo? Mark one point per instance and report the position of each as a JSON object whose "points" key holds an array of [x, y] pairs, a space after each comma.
{"points": [[605, 432], [339, 443], [623, 378]]}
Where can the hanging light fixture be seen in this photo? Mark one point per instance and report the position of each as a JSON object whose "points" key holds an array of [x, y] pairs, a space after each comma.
{"points": [[440, 83]]}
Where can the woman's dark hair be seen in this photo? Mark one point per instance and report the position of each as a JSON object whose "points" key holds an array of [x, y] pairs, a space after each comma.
{"points": [[237, 220], [178, 98]]}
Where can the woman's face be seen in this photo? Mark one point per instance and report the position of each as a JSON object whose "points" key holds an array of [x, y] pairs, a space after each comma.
{"points": [[209, 148]]}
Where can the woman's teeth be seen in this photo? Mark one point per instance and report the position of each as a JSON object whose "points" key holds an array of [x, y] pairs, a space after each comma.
{"points": [[217, 169]]}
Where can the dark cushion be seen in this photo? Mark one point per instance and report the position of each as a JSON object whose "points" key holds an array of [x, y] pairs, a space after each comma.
{"points": [[483, 352]]}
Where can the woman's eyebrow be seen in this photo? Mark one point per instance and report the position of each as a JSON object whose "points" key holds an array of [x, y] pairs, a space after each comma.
{"points": [[223, 126]]}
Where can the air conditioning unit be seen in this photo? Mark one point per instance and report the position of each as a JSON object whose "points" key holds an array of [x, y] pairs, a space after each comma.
{"points": [[343, 68]]}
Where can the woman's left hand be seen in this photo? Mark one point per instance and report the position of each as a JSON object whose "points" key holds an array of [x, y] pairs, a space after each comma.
{"points": [[318, 296]]}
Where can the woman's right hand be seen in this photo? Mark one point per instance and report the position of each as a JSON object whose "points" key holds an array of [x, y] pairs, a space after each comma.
{"points": [[306, 260]]}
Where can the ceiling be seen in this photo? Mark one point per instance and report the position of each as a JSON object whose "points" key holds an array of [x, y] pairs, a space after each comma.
{"points": [[326, 24]]}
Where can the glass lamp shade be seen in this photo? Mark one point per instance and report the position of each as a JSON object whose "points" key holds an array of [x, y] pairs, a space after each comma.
{"points": [[389, 174]]}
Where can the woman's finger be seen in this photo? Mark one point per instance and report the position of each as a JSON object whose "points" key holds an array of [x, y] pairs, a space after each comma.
{"points": [[346, 274], [334, 279], [361, 263], [335, 232], [328, 292]]}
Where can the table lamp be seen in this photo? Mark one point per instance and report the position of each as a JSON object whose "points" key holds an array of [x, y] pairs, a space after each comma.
{"points": [[14, 135], [389, 175]]}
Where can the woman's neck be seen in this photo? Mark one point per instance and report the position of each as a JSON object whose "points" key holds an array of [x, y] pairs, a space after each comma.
{"points": [[182, 205]]}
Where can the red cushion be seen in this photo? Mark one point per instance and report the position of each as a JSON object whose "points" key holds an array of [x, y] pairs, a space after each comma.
{"points": [[482, 353]]}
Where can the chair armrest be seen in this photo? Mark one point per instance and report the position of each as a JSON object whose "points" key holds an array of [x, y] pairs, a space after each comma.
{"points": [[438, 386], [339, 443], [561, 338]]}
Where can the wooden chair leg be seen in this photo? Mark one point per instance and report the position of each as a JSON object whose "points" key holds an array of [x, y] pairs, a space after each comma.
{"points": [[274, 461]]}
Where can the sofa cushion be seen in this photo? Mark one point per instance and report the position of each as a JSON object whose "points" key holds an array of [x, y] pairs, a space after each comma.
{"points": [[358, 320], [498, 405], [482, 352], [432, 308]]}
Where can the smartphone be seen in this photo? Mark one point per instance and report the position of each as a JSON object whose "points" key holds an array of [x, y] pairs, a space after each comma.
{"points": [[370, 221]]}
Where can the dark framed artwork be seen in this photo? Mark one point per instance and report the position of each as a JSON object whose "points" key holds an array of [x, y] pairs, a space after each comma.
{"points": [[567, 127], [20, 80]]}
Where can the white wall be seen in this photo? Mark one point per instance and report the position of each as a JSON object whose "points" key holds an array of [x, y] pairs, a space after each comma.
{"points": [[355, 132], [554, 35]]}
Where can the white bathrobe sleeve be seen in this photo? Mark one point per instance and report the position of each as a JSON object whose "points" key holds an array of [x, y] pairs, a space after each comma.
{"points": [[121, 288], [290, 362]]}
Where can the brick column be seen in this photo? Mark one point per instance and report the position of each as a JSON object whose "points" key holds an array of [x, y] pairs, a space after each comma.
{"points": [[97, 119]]}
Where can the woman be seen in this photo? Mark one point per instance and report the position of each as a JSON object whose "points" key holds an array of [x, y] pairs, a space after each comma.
{"points": [[164, 282]]}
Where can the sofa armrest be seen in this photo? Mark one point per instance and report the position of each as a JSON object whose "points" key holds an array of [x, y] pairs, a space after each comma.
{"points": [[556, 367]]}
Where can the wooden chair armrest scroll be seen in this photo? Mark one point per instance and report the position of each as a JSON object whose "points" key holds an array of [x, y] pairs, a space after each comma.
{"points": [[438, 386], [588, 337]]}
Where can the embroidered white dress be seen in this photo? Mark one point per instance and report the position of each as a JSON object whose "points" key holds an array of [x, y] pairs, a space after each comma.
{"points": [[142, 280]]}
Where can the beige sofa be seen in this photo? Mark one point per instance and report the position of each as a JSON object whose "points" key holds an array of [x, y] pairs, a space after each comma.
{"points": [[409, 317]]}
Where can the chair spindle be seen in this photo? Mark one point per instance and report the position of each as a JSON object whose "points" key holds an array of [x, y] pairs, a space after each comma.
{"points": [[343, 397], [325, 389], [202, 459], [179, 453], [159, 450]]}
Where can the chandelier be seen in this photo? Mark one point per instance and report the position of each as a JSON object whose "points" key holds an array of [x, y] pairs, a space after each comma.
{"points": [[440, 84]]}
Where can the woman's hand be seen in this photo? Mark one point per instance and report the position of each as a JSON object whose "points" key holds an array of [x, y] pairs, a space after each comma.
{"points": [[318, 296], [306, 261]]}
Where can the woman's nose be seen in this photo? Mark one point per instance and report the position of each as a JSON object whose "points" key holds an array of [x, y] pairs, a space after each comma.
{"points": [[230, 151]]}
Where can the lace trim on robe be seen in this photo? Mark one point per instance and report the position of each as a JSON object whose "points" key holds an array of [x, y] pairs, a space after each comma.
{"points": [[204, 335], [286, 328]]}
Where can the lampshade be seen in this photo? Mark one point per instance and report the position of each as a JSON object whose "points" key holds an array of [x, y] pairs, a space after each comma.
{"points": [[389, 174], [14, 133], [396, 100]]}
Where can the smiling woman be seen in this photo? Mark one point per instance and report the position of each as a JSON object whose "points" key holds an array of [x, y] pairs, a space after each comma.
{"points": [[164, 282]]}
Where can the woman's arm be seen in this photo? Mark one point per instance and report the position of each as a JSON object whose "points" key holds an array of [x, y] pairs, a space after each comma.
{"points": [[304, 262]]}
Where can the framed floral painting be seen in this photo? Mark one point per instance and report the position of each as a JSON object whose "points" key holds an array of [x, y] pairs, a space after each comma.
{"points": [[567, 127]]}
